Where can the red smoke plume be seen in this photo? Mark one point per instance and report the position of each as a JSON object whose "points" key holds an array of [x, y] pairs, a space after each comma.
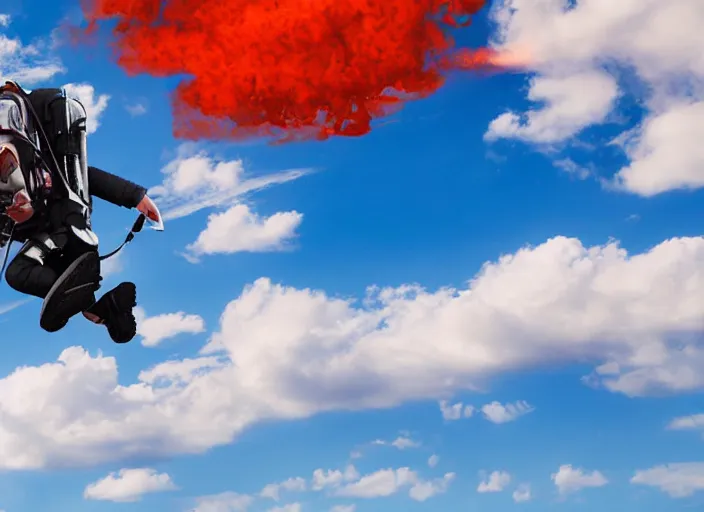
{"points": [[288, 68]]}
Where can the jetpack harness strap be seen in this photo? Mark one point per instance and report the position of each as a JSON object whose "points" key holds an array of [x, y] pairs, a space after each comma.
{"points": [[7, 232], [136, 228]]}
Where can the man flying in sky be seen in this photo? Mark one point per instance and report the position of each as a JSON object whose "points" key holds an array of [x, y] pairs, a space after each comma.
{"points": [[47, 189]]}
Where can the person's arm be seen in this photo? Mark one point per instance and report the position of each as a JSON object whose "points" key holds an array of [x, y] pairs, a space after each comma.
{"points": [[114, 189], [121, 192]]}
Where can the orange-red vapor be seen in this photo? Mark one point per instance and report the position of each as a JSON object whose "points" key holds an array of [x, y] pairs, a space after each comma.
{"points": [[288, 68]]}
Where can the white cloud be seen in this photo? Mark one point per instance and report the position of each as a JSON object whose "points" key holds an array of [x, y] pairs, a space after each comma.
{"points": [[667, 153], [239, 229], [136, 109], [571, 102], [343, 508], [578, 55], [273, 491], [225, 502], [678, 480], [180, 372], [455, 411], [573, 169], [495, 482], [433, 461], [95, 106], [11, 306], [498, 413], [494, 411], [291, 507], [194, 181], [112, 266], [693, 422], [569, 480], [401, 443], [522, 494], [301, 352], [323, 479], [28, 64], [382, 483], [155, 329], [129, 485], [423, 490], [387, 482]]}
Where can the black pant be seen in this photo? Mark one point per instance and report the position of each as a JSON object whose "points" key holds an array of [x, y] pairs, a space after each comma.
{"points": [[26, 275]]}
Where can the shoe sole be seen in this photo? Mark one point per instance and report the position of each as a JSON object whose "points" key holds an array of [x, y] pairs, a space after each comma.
{"points": [[122, 326], [72, 293]]}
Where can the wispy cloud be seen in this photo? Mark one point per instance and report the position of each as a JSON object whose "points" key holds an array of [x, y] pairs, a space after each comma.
{"points": [[6, 308], [184, 207], [136, 109], [195, 181], [28, 64]]}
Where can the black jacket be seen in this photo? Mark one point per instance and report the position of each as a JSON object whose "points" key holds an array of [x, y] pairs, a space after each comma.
{"points": [[114, 189], [101, 184]]}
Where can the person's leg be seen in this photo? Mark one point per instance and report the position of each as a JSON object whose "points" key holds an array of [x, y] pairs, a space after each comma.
{"points": [[37, 265], [115, 311], [78, 279], [26, 275]]}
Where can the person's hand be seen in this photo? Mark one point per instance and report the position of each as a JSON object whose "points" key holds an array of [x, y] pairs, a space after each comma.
{"points": [[147, 208], [21, 209]]}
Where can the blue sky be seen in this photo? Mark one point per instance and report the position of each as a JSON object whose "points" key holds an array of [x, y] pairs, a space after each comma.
{"points": [[495, 302]]}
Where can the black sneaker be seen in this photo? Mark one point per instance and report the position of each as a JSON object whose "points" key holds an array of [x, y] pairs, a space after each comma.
{"points": [[72, 292], [115, 310]]}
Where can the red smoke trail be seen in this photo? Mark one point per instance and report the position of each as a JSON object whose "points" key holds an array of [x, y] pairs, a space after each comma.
{"points": [[288, 68]]}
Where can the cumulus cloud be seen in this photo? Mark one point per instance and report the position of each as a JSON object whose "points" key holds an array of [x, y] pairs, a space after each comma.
{"points": [[112, 266], [136, 109], [28, 64], [129, 485], [224, 502], [522, 494], [382, 483], [287, 353], [333, 478], [678, 480], [180, 372], [569, 480], [387, 482], [292, 484], [155, 329], [194, 181], [579, 53], [401, 443], [572, 102], [498, 413], [693, 422], [494, 411], [241, 230], [497, 481], [423, 490], [666, 153], [455, 411], [95, 105]]}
